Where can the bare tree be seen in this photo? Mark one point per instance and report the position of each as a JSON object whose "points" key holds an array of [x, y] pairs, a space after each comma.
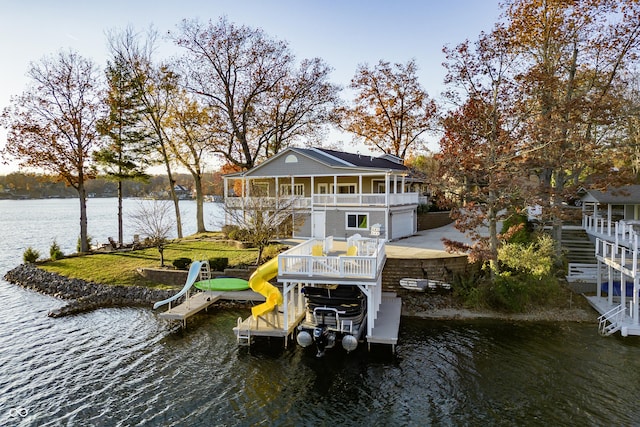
{"points": [[154, 222], [262, 217], [52, 125], [256, 99], [156, 85]]}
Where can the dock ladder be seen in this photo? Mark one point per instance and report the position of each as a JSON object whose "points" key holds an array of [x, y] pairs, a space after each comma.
{"points": [[205, 271], [243, 335], [611, 321]]}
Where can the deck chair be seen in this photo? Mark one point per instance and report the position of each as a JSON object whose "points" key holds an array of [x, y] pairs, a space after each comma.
{"points": [[352, 250], [317, 250]]}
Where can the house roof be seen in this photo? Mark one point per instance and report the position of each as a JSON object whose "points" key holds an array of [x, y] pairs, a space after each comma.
{"points": [[336, 159], [627, 195], [341, 158]]}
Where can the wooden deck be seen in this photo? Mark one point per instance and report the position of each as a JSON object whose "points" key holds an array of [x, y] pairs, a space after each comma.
{"points": [[387, 324], [269, 325], [199, 301]]}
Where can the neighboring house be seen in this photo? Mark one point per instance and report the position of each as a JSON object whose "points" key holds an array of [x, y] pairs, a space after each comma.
{"points": [[601, 210], [338, 194], [182, 192]]}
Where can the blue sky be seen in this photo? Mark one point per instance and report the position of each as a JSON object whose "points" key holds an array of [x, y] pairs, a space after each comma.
{"points": [[343, 33]]}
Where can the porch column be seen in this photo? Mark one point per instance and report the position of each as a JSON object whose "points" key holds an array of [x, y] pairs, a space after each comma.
{"points": [[360, 189], [610, 286], [312, 193], [403, 183], [335, 189], [599, 279], [277, 193], [636, 284]]}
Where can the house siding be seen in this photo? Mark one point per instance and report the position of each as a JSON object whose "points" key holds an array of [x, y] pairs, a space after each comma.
{"points": [[303, 167]]}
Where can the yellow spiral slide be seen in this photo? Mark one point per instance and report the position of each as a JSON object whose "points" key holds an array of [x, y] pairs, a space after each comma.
{"points": [[259, 282]]}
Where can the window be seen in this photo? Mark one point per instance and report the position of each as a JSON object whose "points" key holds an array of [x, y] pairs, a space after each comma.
{"points": [[259, 189], [298, 190], [323, 188], [291, 158], [345, 188], [357, 221]]}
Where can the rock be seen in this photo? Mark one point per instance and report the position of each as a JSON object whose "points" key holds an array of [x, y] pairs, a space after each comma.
{"points": [[85, 296]]}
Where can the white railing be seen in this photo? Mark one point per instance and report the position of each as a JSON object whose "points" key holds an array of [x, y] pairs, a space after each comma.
{"points": [[610, 321], [253, 202], [299, 260], [366, 199], [626, 258], [580, 272], [622, 232], [356, 199]]}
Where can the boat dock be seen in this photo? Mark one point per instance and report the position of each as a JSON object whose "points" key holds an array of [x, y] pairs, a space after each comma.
{"points": [[199, 301]]}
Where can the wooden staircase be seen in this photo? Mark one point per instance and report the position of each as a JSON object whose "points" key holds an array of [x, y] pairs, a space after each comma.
{"points": [[577, 246]]}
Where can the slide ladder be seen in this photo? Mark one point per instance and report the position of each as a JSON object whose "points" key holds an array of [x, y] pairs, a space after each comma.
{"points": [[192, 277], [259, 282]]}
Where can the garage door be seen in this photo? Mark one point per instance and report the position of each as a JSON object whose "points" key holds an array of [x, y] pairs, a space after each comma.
{"points": [[402, 224]]}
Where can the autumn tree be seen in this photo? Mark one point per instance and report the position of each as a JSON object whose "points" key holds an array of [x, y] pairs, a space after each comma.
{"points": [[391, 111], [574, 55], [52, 125], [480, 149], [125, 155], [156, 84], [187, 126], [257, 99]]}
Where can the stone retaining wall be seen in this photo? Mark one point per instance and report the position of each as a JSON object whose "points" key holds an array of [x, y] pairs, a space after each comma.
{"points": [[429, 220], [442, 269]]}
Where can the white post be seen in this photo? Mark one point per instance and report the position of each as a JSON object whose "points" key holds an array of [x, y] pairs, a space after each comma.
{"points": [[636, 283]]}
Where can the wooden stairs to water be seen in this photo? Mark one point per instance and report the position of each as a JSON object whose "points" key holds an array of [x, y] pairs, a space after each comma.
{"points": [[577, 246]]}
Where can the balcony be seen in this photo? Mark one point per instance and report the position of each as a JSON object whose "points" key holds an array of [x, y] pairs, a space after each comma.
{"points": [[355, 199]]}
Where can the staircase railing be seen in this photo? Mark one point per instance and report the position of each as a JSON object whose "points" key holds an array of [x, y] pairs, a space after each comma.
{"points": [[611, 321]]}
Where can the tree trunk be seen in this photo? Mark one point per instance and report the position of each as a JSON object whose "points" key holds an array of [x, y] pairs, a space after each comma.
{"points": [[174, 197], [82, 195], [120, 231], [197, 179]]}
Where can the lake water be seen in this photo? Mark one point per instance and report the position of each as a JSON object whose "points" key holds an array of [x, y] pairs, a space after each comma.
{"points": [[123, 367]]}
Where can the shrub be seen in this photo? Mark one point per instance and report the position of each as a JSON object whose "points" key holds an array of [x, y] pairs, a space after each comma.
{"points": [[271, 251], [30, 255], [89, 240], [182, 263], [55, 252], [517, 229], [218, 264]]}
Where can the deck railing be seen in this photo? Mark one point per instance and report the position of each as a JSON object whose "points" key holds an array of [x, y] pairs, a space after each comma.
{"points": [[626, 258], [621, 232], [355, 199], [300, 260]]}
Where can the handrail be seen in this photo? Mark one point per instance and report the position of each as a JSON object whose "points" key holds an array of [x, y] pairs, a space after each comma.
{"points": [[194, 272]]}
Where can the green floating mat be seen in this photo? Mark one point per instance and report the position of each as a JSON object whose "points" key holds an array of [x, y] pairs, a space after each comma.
{"points": [[222, 284]]}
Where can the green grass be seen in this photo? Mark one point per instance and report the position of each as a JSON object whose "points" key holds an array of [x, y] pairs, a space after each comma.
{"points": [[119, 268]]}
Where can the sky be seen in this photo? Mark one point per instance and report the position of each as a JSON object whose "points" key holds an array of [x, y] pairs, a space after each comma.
{"points": [[344, 33]]}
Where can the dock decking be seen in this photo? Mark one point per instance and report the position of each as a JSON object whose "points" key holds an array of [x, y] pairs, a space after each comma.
{"points": [[201, 300], [269, 325]]}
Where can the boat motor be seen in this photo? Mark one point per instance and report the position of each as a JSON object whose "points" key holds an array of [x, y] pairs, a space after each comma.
{"points": [[323, 338]]}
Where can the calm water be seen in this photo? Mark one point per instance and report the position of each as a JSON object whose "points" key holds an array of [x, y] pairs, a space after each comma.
{"points": [[126, 367]]}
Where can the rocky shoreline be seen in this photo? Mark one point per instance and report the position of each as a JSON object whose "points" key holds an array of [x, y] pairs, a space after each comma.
{"points": [[86, 296]]}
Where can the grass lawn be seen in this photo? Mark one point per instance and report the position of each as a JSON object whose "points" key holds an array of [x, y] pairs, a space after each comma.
{"points": [[119, 268]]}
